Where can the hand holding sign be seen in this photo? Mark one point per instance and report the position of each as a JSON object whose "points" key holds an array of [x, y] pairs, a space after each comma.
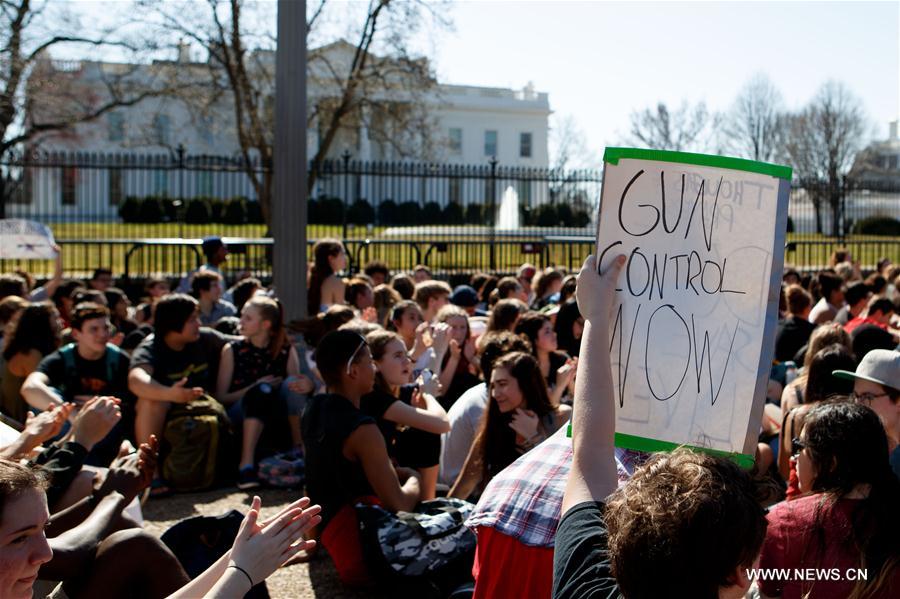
{"points": [[692, 323]]}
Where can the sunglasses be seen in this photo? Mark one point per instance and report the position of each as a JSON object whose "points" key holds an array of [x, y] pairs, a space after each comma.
{"points": [[362, 343], [797, 446]]}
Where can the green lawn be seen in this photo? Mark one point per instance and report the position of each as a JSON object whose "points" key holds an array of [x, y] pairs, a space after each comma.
{"points": [[804, 250]]}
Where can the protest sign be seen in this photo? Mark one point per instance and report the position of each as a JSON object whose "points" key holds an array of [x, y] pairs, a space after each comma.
{"points": [[25, 239], [693, 330]]}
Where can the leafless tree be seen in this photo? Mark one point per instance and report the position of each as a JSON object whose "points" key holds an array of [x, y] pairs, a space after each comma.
{"points": [[350, 87], [40, 96], [753, 126], [684, 129], [821, 143]]}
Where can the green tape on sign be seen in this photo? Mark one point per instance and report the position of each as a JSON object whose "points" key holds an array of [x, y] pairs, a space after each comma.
{"points": [[614, 155], [654, 445]]}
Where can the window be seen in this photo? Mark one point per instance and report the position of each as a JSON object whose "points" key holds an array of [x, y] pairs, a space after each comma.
{"points": [[455, 141], [116, 126], [69, 180], [525, 145], [161, 129], [490, 143], [115, 187]]}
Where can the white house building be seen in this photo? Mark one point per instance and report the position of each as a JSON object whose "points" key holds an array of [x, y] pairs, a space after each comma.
{"points": [[470, 124]]}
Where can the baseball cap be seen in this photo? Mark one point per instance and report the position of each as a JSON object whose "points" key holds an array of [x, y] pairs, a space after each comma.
{"points": [[464, 296], [880, 366]]}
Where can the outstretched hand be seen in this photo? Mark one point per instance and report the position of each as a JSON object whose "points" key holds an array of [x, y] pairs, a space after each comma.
{"points": [[260, 548], [596, 292]]}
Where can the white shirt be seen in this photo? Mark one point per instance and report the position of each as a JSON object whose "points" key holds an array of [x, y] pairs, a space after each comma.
{"points": [[465, 417]]}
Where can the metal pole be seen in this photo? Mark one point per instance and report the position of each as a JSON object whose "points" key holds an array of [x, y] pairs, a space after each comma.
{"points": [[288, 214]]}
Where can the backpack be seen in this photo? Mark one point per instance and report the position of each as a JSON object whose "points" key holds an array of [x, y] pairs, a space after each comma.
{"points": [[113, 357], [199, 541], [197, 437], [284, 470], [429, 543]]}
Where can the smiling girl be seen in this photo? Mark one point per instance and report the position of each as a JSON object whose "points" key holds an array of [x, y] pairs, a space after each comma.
{"points": [[519, 417]]}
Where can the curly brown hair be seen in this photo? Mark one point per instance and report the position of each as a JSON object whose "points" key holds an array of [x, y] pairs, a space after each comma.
{"points": [[688, 518]]}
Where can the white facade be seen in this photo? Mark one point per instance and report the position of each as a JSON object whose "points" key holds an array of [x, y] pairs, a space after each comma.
{"points": [[471, 125]]}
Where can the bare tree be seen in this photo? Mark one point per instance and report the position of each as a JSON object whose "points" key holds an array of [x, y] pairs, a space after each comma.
{"points": [[821, 143], [684, 129], [40, 96], [350, 87], [568, 146], [754, 125]]}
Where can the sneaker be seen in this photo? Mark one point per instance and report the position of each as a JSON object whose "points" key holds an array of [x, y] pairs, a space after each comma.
{"points": [[247, 478]]}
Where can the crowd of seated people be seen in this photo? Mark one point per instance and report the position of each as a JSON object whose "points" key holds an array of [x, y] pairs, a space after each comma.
{"points": [[398, 390]]}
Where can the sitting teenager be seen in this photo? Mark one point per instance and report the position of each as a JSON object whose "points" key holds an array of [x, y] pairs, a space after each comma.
{"points": [[431, 297], [857, 297], [346, 456], [458, 369], [876, 383], [408, 415], [386, 297], [404, 284], [206, 286], [823, 336], [241, 292], [686, 524], [569, 327], [557, 368], [94, 557], [505, 315], [426, 344], [176, 365], [821, 384], [467, 413], [326, 289], [794, 331], [878, 313], [259, 377], [519, 417], [76, 373], [508, 288], [32, 334], [831, 289], [547, 285], [119, 304], [359, 295], [848, 519]]}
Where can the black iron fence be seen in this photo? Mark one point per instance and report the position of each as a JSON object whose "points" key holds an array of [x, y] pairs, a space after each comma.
{"points": [[105, 209]]}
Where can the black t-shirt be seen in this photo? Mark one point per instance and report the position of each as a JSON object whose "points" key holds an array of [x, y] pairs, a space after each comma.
{"points": [[89, 377], [376, 403], [581, 566], [793, 333], [198, 361], [332, 480]]}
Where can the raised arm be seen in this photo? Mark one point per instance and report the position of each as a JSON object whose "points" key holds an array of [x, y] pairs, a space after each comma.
{"points": [[425, 414], [593, 474]]}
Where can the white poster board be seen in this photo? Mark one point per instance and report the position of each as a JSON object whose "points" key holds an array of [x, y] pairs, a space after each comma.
{"points": [[697, 300], [25, 239]]}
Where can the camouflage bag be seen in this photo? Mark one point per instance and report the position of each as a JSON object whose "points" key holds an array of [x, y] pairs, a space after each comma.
{"points": [[422, 544]]}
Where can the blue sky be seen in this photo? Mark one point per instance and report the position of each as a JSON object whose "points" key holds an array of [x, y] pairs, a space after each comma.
{"points": [[599, 61]]}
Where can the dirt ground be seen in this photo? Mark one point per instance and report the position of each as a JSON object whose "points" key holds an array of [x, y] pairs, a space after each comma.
{"points": [[301, 581]]}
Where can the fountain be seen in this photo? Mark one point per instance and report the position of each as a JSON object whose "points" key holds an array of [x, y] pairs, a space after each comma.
{"points": [[508, 214]]}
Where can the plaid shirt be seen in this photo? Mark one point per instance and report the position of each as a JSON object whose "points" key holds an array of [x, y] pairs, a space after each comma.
{"points": [[524, 501]]}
